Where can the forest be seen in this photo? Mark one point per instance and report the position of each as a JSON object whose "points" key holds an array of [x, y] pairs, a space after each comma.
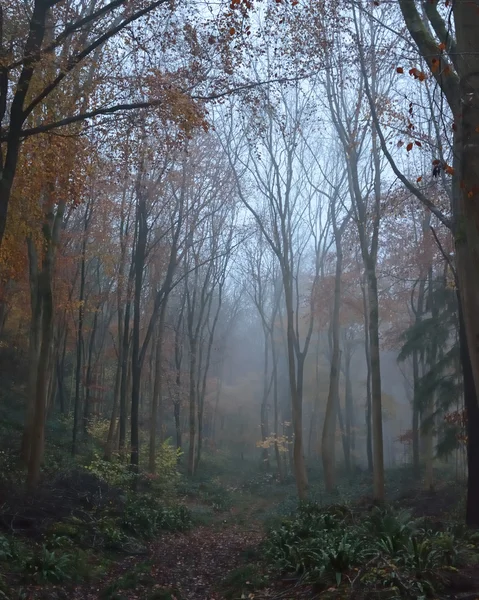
{"points": [[239, 299]]}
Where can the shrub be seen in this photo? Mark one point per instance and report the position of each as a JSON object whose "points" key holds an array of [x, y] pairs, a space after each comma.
{"points": [[390, 548], [145, 517], [49, 566], [241, 582], [113, 472]]}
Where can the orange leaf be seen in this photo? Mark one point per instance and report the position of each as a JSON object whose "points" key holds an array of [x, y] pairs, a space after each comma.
{"points": [[436, 162], [470, 194], [232, 30], [442, 46], [449, 170], [418, 144], [421, 76], [419, 179], [399, 70], [409, 147]]}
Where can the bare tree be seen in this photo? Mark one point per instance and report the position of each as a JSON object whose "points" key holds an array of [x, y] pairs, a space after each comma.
{"points": [[288, 212]]}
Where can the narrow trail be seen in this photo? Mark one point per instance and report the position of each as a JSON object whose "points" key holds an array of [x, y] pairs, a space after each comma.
{"points": [[176, 566]]}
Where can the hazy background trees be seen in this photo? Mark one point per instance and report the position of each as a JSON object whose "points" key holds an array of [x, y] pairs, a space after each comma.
{"points": [[274, 274]]}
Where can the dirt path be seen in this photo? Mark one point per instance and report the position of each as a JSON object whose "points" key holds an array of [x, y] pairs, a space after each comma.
{"points": [[180, 566]]}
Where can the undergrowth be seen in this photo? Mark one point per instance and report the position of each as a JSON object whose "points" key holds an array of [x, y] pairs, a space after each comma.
{"points": [[335, 547]]}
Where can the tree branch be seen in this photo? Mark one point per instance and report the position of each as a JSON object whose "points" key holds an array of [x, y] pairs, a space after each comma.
{"points": [[75, 60], [407, 183], [428, 48]]}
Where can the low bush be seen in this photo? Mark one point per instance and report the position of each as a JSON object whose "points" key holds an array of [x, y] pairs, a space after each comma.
{"points": [[385, 548], [241, 582], [144, 517], [211, 493]]}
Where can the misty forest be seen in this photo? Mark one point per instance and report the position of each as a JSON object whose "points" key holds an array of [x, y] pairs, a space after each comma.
{"points": [[239, 299]]}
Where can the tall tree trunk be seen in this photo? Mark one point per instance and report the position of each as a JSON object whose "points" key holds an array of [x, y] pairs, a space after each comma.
{"points": [[157, 391], [472, 412], [110, 440], [377, 424], [264, 404], [60, 369], [316, 402], [81, 315], [33, 351], [136, 364], [88, 375], [295, 369], [176, 409], [124, 380], [345, 441], [328, 442], [192, 417], [349, 408], [415, 414], [369, 435], [466, 180], [38, 432], [51, 232]]}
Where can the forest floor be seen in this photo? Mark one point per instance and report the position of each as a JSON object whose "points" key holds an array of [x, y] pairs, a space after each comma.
{"points": [[220, 559]]}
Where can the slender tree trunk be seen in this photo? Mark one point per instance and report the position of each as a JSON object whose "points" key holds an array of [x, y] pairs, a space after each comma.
{"points": [[349, 409], [79, 349], [316, 402], [276, 410], [139, 262], [38, 432], [264, 404], [176, 409], [415, 415], [51, 230], [377, 425], [298, 451], [157, 391], [192, 419], [369, 435], [345, 441], [472, 412], [328, 442], [88, 376], [60, 369], [33, 351], [125, 352], [110, 440]]}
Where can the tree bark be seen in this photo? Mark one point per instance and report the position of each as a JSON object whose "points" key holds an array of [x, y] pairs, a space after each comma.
{"points": [[157, 391], [33, 351], [328, 443], [51, 232], [136, 364], [81, 316], [192, 414], [377, 423]]}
